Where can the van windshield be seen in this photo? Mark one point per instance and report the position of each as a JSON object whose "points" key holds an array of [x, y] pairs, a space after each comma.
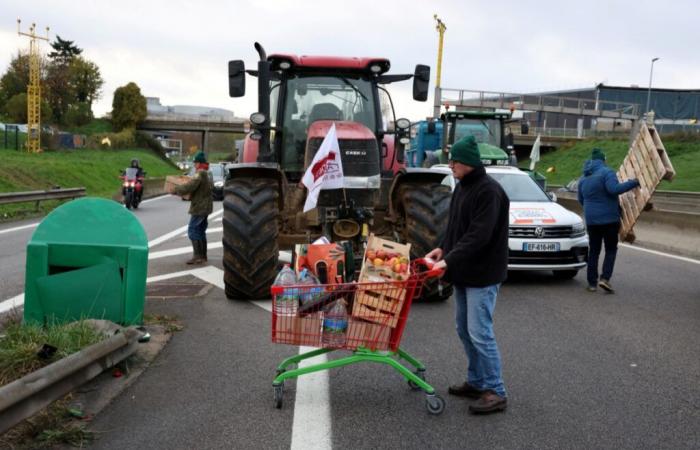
{"points": [[520, 188]]}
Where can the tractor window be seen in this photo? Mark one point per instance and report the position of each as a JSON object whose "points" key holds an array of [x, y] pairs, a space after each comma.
{"points": [[312, 98], [484, 130]]}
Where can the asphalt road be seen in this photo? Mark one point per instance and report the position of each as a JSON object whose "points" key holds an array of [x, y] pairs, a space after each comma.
{"points": [[583, 370]]}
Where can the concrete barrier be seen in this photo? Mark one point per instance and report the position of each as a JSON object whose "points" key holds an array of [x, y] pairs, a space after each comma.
{"points": [[669, 231]]}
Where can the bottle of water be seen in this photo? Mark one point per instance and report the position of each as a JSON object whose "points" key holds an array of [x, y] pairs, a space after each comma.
{"points": [[335, 325], [286, 303]]}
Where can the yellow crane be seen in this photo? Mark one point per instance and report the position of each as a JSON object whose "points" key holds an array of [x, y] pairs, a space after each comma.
{"points": [[33, 88], [440, 27]]}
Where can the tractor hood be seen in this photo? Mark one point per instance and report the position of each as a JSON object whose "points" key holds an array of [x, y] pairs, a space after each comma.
{"points": [[359, 152]]}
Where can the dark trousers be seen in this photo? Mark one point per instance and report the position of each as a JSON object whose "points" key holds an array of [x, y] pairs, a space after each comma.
{"points": [[597, 235]]}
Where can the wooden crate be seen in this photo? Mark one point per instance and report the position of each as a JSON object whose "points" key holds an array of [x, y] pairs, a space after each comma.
{"points": [[648, 162], [379, 304], [369, 335]]}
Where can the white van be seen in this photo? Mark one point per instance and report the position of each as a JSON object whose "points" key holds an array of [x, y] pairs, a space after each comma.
{"points": [[542, 235]]}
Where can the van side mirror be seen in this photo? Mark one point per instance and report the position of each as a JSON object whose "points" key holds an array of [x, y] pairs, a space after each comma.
{"points": [[421, 79], [236, 78]]}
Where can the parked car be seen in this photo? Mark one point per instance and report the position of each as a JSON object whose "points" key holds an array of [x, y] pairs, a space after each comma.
{"points": [[217, 174], [543, 235]]}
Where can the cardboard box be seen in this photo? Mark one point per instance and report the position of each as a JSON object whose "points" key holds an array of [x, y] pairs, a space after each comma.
{"points": [[286, 329], [175, 180], [310, 329], [369, 335], [373, 273]]}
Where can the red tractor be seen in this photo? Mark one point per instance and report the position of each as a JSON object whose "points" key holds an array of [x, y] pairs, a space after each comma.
{"points": [[299, 98]]}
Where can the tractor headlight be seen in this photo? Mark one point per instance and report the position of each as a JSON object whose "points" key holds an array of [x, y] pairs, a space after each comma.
{"points": [[219, 184], [405, 141], [256, 135], [257, 118], [375, 68], [284, 65], [403, 124]]}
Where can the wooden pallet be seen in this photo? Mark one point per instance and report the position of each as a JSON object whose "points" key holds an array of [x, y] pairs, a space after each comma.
{"points": [[648, 162]]}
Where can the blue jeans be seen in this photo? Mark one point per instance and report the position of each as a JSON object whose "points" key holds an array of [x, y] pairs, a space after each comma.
{"points": [[597, 236], [474, 314], [197, 228]]}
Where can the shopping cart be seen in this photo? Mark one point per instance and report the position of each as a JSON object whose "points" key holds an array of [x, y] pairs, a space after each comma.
{"points": [[376, 318]]}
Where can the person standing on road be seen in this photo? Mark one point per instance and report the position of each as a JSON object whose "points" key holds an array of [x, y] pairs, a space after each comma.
{"points": [[598, 190], [474, 254], [201, 205]]}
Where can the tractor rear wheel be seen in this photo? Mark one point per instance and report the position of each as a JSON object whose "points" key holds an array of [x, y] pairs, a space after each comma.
{"points": [[426, 210], [251, 251]]}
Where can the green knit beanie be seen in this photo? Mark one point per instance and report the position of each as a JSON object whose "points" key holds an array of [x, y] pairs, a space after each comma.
{"points": [[466, 151], [200, 157], [598, 154]]}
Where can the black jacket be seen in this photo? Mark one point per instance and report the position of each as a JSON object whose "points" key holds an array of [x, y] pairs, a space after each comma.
{"points": [[476, 241]]}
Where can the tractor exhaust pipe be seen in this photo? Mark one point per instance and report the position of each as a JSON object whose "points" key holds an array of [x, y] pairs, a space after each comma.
{"points": [[265, 151]]}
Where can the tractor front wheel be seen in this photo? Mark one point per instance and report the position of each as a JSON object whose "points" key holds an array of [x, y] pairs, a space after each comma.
{"points": [[251, 251], [426, 210]]}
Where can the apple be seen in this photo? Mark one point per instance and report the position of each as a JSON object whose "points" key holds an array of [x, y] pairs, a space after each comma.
{"points": [[378, 262], [381, 254], [403, 268], [396, 268]]}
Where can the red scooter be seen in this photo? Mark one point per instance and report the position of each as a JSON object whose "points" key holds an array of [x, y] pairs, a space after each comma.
{"points": [[132, 187]]}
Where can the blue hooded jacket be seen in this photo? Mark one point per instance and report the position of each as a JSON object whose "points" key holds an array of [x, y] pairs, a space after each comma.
{"points": [[598, 189]]}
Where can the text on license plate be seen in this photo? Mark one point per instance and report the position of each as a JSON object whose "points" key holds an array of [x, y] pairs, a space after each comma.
{"points": [[541, 246]]}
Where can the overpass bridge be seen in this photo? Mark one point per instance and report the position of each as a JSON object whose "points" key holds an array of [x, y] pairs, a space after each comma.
{"points": [[204, 125], [583, 107]]}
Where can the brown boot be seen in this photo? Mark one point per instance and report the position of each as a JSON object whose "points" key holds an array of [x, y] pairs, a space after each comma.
{"points": [[490, 402], [465, 390], [196, 254]]}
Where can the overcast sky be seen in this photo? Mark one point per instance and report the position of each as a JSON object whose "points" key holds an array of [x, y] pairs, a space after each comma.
{"points": [[178, 50]]}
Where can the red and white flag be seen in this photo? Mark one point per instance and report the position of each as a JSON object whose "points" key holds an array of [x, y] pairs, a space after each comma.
{"points": [[325, 171]]}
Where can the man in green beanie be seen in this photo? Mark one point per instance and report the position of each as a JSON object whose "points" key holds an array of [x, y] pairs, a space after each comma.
{"points": [[598, 191], [201, 205], [474, 254]]}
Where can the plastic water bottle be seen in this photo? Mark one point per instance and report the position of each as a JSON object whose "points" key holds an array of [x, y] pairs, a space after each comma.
{"points": [[335, 325], [286, 303]]}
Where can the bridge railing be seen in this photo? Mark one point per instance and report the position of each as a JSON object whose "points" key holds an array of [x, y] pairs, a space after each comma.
{"points": [[536, 102]]}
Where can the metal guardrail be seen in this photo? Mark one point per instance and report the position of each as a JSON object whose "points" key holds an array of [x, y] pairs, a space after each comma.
{"points": [[38, 196], [28, 395], [670, 201], [538, 102]]}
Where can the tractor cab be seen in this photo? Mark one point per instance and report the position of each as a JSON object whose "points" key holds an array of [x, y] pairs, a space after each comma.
{"points": [[486, 127], [304, 95]]}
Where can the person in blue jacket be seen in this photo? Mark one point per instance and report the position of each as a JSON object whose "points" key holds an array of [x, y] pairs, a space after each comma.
{"points": [[598, 190]]}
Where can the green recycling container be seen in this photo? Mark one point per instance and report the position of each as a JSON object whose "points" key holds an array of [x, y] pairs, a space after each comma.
{"points": [[88, 259]]}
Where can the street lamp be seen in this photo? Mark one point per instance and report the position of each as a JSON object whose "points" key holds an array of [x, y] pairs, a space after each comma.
{"points": [[651, 73]]}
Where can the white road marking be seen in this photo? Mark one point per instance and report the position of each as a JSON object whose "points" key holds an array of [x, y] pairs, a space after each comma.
{"points": [[311, 426], [180, 251], [209, 231], [23, 227], [220, 219], [160, 197], [655, 252], [14, 302], [172, 234]]}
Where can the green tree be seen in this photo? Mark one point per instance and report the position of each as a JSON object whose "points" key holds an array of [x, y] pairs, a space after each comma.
{"points": [[14, 81], [16, 109], [64, 51], [78, 114], [85, 79], [128, 107]]}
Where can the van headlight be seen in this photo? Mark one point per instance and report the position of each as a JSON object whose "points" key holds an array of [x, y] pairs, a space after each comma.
{"points": [[578, 229]]}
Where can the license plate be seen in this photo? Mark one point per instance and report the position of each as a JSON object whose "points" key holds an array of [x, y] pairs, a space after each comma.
{"points": [[541, 246]]}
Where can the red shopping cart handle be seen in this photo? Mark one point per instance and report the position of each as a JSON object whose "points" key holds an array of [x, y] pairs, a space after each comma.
{"points": [[427, 264]]}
